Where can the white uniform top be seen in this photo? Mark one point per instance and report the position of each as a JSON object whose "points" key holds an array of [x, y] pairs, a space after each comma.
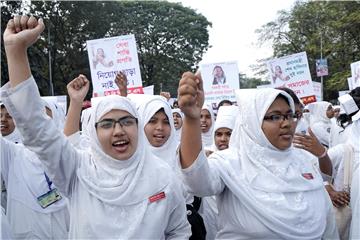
{"points": [[262, 192], [25, 181], [355, 186], [105, 201]]}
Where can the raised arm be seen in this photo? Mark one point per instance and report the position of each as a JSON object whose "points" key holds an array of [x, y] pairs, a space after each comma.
{"points": [[190, 99], [77, 90], [121, 82], [22, 99], [20, 33]]}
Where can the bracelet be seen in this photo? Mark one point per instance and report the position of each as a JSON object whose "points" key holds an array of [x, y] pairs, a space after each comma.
{"points": [[324, 154]]}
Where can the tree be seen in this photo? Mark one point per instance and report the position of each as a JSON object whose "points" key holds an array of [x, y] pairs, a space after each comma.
{"points": [[335, 24], [171, 39]]}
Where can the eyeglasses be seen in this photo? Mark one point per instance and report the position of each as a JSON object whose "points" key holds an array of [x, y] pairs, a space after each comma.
{"points": [[281, 117], [108, 123]]}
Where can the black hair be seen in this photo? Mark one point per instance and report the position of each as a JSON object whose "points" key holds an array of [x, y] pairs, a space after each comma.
{"points": [[344, 121], [222, 102]]}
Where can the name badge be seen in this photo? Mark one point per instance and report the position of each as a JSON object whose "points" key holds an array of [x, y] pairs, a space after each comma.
{"points": [[49, 198], [156, 197]]}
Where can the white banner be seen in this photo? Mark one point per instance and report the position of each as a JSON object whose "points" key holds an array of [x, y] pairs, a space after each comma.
{"points": [[293, 72], [317, 91], [220, 80], [149, 90], [108, 56], [355, 75]]}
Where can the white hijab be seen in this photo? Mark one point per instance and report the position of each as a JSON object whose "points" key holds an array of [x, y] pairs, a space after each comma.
{"points": [[58, 114], [225, 118], [178, 132], [15, 135], [147, 106], [268, 181], [207, 138], [120, 182], [318, 112]]}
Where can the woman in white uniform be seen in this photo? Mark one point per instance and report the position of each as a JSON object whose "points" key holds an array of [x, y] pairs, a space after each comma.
{"points": [[117, 189], [265, 188]]}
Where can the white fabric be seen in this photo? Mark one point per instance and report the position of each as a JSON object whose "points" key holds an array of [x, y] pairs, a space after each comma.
{"points": [[207, 138], [5, 226], [14, 137], [178, 131], [209, 212], [302, 126], [320, 124], [355, 185], [25, 181], [58, 114], [108, 198], [260, 190], [225, 118], [338, 134], [147, 107]]}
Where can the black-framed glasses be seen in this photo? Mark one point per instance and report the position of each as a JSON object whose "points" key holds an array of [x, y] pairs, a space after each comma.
{"points": [[281, 117], [107, 123]]}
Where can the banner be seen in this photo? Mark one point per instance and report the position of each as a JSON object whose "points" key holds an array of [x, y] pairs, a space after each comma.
{"points": [[321, 67], [220, 80], [317, 91], [293, 72], [149, 90], [108, 56], [355, 78]]}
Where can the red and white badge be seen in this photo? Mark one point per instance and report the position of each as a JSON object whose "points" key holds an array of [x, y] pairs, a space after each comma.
{"points": [[157, 197], [308, 176]]}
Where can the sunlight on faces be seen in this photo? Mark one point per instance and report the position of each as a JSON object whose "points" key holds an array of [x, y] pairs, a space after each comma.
{"points": [[205, 121], [158, 129], [280, 134], [119, 142], [177, 120], [7, 123], [222, 138]]}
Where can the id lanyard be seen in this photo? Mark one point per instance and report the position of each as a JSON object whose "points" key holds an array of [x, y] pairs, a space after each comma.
{"points": [[49, 182]]}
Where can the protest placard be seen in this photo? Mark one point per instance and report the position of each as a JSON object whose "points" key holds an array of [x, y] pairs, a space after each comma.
{"points": [[220, 80], [321, 67], [108, 56], [355, 75], [293, 72]]}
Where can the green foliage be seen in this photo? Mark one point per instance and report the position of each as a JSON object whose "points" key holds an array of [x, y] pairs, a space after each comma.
{"points": [[246, 82], [336, 24], [171, 39]]}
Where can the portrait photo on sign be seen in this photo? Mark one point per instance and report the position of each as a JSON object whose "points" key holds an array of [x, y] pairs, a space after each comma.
{"points": [[101, 57], [218, 75]]}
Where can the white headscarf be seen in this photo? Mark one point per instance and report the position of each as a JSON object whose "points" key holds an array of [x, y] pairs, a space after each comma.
{"points": [[269, 181], [225, 118], [318, 112], [58, 114], [178, 131], [320, 124], [15, 135], [147, 106], [207, 138], [120, 182]]}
